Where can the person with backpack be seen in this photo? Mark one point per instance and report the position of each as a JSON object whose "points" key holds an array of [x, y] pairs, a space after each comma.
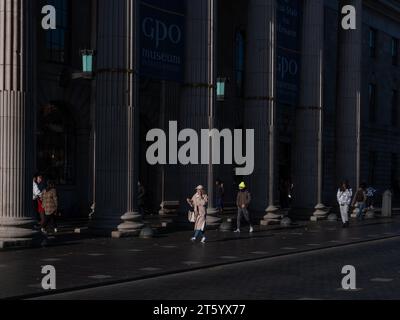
{"points": [[50, 206], [360, 201], [344, 196], [243, 202]]}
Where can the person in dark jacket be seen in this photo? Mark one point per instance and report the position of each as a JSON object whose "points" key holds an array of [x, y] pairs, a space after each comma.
{"points": [[243, 202], [141, 198], [220, 192], [360, 201]]}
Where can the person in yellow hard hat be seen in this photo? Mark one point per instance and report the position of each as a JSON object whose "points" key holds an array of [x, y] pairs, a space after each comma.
{"points": [[243, 201]]}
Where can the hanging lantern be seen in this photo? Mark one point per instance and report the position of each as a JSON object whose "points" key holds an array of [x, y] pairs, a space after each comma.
{"points": [[87, 60], [221, 89]]}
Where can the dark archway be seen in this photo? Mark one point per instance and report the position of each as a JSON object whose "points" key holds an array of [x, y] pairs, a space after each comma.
{"points": [[56, 143]]}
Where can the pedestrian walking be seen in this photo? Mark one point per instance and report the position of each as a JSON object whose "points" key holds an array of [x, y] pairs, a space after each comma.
{"points": [[243, 202], [220, 192], [286, 193], [50, 205], [344, 196], [38, 190], [360, 201], [371, 192], [141, 198], [199, 204]]}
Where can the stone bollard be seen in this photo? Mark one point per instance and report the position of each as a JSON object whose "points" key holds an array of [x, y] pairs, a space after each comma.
{"points": [[286, 222], [321, 213], [333, 217], [387, 204], [168, 213], [370, 214], [274, 216], [213, 220], [226, 226], [130, 227], [146, 233]]}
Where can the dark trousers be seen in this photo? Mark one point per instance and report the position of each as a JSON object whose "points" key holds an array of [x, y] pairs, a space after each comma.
{"points": [[35, 206], [243, 212], [198, 233], [50, 221], [39, 215]]}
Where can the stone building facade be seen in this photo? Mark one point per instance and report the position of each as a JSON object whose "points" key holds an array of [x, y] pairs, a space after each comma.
{"points": [[324, 102]]}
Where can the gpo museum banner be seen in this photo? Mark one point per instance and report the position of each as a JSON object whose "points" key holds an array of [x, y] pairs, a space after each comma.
{"points": [[289, 46], [162, 39]]}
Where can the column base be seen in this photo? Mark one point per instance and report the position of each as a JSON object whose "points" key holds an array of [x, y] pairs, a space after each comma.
{"points": [[131, 226], [213, 221], [321, 213], [273, 216], [168, 213], [212, 211], [125, 234], [168, 208], [370, 214], [18, 233], [112, 226], [6, 244]]}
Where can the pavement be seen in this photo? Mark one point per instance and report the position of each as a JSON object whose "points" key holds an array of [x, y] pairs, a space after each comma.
{"points": [[314, 275], [96, 268]]}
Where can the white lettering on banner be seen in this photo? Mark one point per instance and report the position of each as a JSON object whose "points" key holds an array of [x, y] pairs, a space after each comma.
{"points": [[158, 31], [287, 66], [162, 57]]}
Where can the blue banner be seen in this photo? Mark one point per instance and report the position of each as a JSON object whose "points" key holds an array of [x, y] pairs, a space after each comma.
{"points": [[289, 55], [162, 39]]}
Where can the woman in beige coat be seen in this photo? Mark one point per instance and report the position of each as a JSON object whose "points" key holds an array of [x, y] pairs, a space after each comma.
{"points": [[199, 204]]}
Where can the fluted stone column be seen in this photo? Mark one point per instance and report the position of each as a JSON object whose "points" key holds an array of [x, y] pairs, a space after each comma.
{"points": [[308, 160], [261, 103], [116, 121], [348, 103], [198, 97], [17, 118]]}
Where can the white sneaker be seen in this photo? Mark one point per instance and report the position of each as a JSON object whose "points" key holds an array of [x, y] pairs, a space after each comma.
{"points": [[237, 231], [251, 230], [193, 239], [203, 240]]}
